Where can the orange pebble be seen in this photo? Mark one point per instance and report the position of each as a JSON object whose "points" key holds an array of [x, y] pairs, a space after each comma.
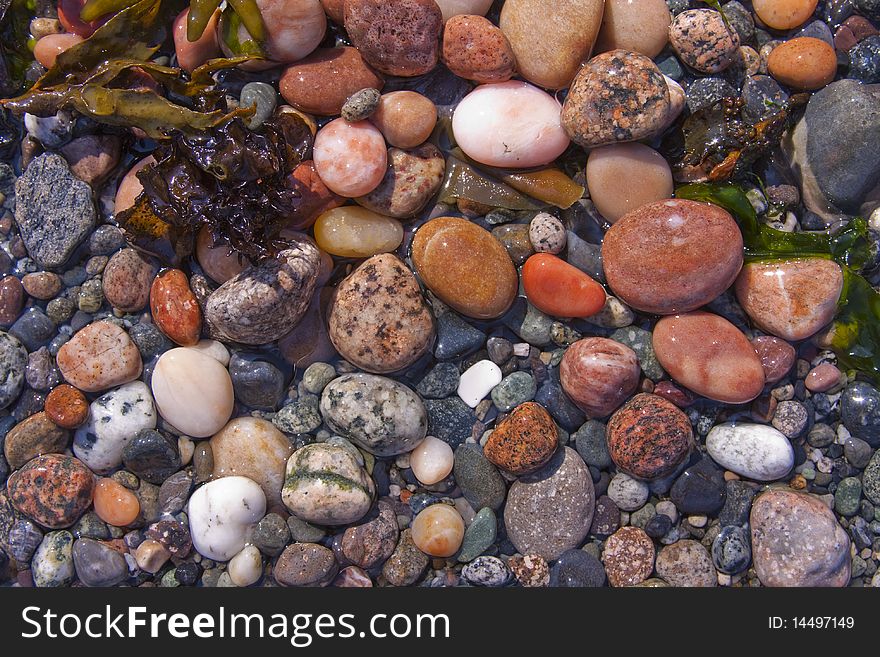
{"points": [[50, 46], [67, 407], [557, 288], [803, 63], [115, 504]]}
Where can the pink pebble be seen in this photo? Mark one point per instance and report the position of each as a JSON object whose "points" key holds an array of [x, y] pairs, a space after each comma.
{"points": [[350, 158], [822, 377], [681, 397], [50, 46], [192, 54], [777, 356]]}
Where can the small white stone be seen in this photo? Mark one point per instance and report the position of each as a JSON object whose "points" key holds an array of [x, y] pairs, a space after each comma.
{"points": [[698, 521], [521, 349], [431, 461], [756, 451], [477, 382], [186, 447], [114, 419], [214, 349], [546, 233], [668, 509], [220, 513], [627, 493], [246, 567]]}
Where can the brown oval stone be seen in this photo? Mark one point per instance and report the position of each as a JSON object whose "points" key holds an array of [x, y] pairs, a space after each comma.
{"points": [[405, 118], [465, 266], [127, 279], [33, 436], [524, 440], [475, 49], [784, 14], [804, 63], [641, 27], [99, 357], [306, 564], [52, 490], [709, 355], [791, 299], [648, 437], [44, 285], [672, 256], [777, 356], [323, 81], [11, 300], [379, 320], [412, 179], [617, 96], [628, 557], [397, 38], [67, 407], [598, 374], [175, 309]]}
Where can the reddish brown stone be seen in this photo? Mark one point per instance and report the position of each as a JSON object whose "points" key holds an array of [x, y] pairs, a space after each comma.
{"points": [[649, 437], [126, 281], [777, 356], [475, 49], [681, 397], [628, 557], [67, 407], [315, 197], [598, 374], [323, 81], [672, 256], [11, 300], [524, 441], [33, 436], [44, 285], [175, 309], [397, 38], [52, 490], [371, 543]]}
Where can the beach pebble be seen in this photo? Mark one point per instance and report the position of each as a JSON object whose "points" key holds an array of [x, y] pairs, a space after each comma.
{"points": [[325, 484], [686, 563], [34, 435], [803, 63], [411, 180], [115, 504], [477, 382], [431, 460], [610, 170], [193, 392], [406, 564], [98, 564], [47, 49], [777, 357], [305, 564], [438, 530], [557, 288], [53, 490], [219, 261], [355, 232], [628, 557], [627, 493], [547, 234], [784, 14], [599, 374], [452, 8], [220, 514], [405, 118], [509, 124], [174, 308], [703, 41], [127, 279], [246, 567], [114, 419], [67, 407], [98, 357], [351, 158], [524, 441], [641, 27], [294, 28], [154, 457], [52, 564], [755, 451], [360, 105], [465, 266], [192, 54], [475, 49]]}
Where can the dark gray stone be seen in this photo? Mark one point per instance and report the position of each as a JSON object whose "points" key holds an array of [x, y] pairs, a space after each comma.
{"points": [[589, 441], [732, 550], [480, 482], [13, 361], [33, 329], [737, 502], [576, 568], [450, 420], [151, 456], [98, 565], [440, 382], [257, 383], [699, 489], [455, 337]]}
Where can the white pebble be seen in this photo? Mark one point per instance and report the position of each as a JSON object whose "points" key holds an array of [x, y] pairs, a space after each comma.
{"points": [[521, 349], [186, 447], [668, 509], [214, 349], [627, 493], [431, 461], [220, 513], [547, 234], [477, 382], [246, 567], [756, 451], [698, 521]]}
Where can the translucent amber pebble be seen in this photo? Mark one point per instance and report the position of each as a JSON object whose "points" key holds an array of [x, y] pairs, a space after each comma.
{"points": [[115, 504], [438, 530], [353, 232]]}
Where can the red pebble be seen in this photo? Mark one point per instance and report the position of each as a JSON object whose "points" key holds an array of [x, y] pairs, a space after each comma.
{"points": [[175, 309], [822, 377], [777, 356], [681, 397], [557, 288]]}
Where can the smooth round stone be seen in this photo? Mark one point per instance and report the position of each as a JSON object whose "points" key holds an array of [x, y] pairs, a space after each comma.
{"points": [[641, 27], [792, 299], [400, 38], [822, 378], [524, 441], [351, 158], [193, 392], [67, 407], [325, 484], [628, 557], [52, 564], [98, 357], [709, 355], [474, 49], [360, 105], [672, 256], [355, 232], [598, 374], [431, 461], [438, 530], [371, 543], [550, 43], [305, 564], [686, 563], [405, 118], [412, 179], [252, 448], [649, 437], [777, 357], [174, 307], [360, 327], [126, 280], [784, 14], [214, 349], [114, 419], [322, 82], [154, 457], [45, 285], [221, 513], [12, 300], [115, 504], [478, 381], [732, 550], [294, 28], [451, 8], [547, 234], [52, 490], [47, 49], [381, 415], [465, 266], [550, 510], [246, 567], [219, 262], [860, 412], [627, 493], [703, 41], [797, 541], [557, 288], [486, 571], [192, 54], [34, 435], [803, 63], [617, 96], [755, 451], [610, 171]]}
